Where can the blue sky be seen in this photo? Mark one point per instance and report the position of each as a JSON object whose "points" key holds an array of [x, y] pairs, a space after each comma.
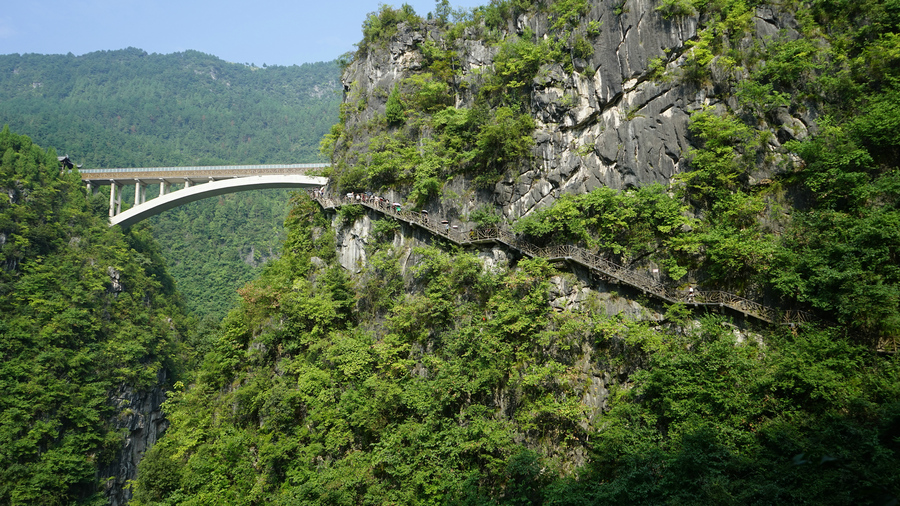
{"points": [[247, 31]]}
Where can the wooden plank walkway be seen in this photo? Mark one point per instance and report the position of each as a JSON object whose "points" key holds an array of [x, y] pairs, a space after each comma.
{"points": [[574, 254]]}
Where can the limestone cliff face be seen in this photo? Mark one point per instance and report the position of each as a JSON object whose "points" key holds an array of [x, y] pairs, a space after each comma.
{"points": [[618, 118], [614, 121]]}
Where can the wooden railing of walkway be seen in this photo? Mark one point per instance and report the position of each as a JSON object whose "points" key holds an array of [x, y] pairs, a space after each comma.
{"points": [[570, 253]]}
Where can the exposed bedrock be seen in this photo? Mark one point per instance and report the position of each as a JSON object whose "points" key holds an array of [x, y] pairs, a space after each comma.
{"points": [[610, 121], [142, 422]]}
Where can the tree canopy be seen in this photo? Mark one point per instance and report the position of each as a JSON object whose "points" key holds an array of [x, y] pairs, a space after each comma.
{"points": [[84, 311]]}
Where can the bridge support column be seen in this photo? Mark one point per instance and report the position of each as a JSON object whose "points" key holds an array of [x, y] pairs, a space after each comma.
{"points": [[90, 189], [139, 191], [119, 199], [112, 199], [162, 187], [187, 183]]}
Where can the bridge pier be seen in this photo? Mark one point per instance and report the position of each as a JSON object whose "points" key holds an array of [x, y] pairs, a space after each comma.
{"points": [[112, 198], [162, 187], [140, 192], [115, 198]]}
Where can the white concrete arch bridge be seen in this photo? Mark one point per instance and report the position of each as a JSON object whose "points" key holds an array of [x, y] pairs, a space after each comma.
{"points": [[196, 183]]}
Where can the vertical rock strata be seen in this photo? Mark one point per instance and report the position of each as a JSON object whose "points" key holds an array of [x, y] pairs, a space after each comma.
{"points": [[141, 422], [610, 122]]}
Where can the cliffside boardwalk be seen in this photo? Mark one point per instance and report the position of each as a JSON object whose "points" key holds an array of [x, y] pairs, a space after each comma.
{"points": [[574, 254], [228, 179]]}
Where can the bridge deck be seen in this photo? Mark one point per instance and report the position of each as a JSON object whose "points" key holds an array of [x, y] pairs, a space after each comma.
{"points": [[194, 174]]}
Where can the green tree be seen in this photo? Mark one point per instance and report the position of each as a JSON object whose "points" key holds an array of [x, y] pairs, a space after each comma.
{"points": [[394, 110]]}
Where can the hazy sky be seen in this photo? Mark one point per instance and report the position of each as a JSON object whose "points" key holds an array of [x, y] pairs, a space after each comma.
{"points": [[247, 31]]}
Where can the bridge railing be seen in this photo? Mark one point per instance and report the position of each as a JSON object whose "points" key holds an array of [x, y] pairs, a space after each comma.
{"points": [[568, 252], [104, 176]]}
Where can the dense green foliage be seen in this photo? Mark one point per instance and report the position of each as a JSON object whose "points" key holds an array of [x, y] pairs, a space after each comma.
{"points": [[383, 396], [805, 419], [838, 253], [130, 109], [630, 225], [215, 246], [837, 249], [420, 388], [379, 27], [481, 142], [423, 140], [84, 311], [808, 418], [448, 382]]}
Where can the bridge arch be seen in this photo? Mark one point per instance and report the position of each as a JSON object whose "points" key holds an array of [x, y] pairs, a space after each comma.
{"points": [[211, 189], [199, 183]]}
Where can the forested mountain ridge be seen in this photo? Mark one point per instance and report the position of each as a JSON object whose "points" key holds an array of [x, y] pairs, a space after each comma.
{"points": [[90, 328], [740, 145], [128, 108]]}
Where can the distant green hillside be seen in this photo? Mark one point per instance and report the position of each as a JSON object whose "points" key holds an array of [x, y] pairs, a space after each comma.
{"points": [[216, 245], [128, 108]]}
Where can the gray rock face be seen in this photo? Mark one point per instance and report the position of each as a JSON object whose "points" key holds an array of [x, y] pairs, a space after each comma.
{"points": [[115, 286], [142, 421], [606, 123], [352, 243], [578, 292], [369, 81]]}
